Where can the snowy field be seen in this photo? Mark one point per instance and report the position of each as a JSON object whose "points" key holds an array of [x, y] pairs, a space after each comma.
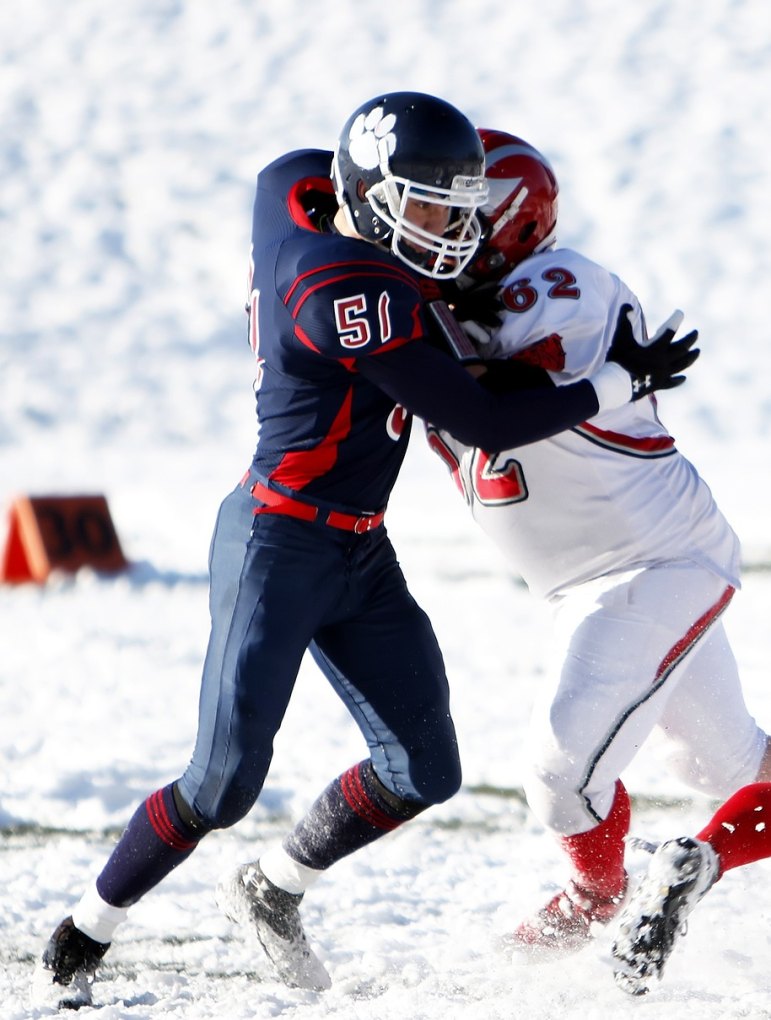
{"points": [[131, 138]]}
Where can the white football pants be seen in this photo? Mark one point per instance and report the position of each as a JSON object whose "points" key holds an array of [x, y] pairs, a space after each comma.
{"points": [[634, 652]]}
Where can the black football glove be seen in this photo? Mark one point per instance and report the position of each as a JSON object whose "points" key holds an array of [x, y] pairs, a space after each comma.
{"points": [[478, 309], [658, 365]]}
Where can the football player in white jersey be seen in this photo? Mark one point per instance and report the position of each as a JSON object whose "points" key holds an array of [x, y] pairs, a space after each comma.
{"points": [[615, 528]]}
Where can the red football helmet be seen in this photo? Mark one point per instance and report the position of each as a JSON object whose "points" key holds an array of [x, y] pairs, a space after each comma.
{"points": [[520, 214]]}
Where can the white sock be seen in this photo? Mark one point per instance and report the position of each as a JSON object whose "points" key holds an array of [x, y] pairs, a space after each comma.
{"points": [[96, 918], [286, 873]]}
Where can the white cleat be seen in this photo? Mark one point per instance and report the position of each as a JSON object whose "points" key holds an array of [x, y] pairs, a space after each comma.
{"points": [[249, 898], [680, 873]]}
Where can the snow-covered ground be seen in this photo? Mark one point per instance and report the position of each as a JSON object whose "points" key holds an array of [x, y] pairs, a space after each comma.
{"points": [[131, 137]]}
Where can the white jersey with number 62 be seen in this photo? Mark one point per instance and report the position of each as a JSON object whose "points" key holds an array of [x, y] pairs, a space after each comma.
{"points": [[611, 494]]}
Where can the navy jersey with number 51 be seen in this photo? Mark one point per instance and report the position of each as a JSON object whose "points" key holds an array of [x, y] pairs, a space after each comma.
{"points": [[340, 334], [323, 302]]}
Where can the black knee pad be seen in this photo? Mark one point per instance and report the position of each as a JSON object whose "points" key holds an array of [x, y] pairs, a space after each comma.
{"points": [[395, 805], [192, 821]]}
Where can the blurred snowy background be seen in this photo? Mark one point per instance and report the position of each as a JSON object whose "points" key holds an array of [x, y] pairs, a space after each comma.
{"points": [[131, 137]]}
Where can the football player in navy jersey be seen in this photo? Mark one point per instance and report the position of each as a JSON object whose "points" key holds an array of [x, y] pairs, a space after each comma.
{"points": [[347, 248]]}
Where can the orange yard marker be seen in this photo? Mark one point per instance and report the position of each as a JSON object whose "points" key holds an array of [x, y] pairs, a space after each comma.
{"points": [[59, 533]]}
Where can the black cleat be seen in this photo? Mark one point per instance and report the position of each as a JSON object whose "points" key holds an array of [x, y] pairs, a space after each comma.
{"points": [[680, 873], [64, 976]]}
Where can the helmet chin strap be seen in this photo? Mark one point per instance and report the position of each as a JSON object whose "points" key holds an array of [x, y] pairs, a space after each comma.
{"points": [[511, 212]]}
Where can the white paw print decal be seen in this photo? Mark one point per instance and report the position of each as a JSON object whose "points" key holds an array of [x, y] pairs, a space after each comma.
{"points": [[371, 139]]}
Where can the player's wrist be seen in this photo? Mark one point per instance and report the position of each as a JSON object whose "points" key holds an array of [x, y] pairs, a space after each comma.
{"points": [[613, 386]]}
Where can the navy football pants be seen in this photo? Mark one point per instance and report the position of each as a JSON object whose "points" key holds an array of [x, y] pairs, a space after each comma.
{"points": [[278, 587]]}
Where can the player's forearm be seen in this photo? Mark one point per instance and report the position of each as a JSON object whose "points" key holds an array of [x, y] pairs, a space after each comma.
{"points": [[439, 391]]}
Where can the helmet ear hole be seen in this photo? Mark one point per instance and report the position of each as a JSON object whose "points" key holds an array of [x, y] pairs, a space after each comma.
{"points": [[527, 232], [361, 190], [485, 225]]}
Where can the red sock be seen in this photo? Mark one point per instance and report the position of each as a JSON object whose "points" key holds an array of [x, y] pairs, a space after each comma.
{"points": [[740, 831], [597, 856]]}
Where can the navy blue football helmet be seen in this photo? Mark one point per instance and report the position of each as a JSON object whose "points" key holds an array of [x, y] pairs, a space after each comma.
{"points": [[403, 148]]}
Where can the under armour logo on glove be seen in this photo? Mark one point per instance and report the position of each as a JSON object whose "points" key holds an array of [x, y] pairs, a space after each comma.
{"points": [[657, 365], [371, 139]]}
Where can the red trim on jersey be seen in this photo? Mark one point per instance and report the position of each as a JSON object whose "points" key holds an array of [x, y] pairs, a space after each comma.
{"points": [[442, 450], [163, 825], [296, 194], [397, 421], [354, 274], [349, 364], [304, 339], [651, 446], [359, 802], [547, 353], [298, 467], [355, 269], [392, 345]]}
